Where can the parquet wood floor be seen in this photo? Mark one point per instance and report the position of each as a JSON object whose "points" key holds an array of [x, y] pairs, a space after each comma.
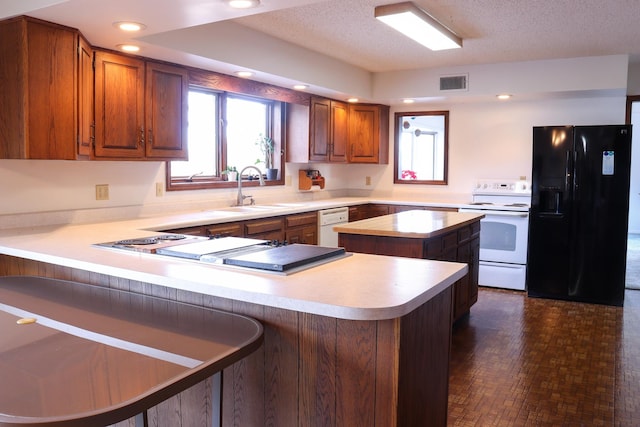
{"points": [[519, 361]]}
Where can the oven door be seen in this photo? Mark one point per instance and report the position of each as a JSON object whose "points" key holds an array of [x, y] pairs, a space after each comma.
{"points": [[503, 236]]}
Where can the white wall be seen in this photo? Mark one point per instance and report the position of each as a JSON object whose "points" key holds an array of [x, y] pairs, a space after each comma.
{"points": [[487, 140], [492, 140]]}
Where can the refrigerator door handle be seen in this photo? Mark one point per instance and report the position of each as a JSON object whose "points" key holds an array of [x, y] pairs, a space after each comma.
{"points": [[567, 171]]}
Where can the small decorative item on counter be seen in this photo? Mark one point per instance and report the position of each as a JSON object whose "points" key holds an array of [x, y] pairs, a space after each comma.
{"points": [[409, 174]]}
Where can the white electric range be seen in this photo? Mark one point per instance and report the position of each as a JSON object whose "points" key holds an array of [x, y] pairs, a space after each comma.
{"points": [[504, 231]]}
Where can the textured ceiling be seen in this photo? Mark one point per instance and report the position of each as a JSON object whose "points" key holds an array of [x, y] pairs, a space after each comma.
{"points": [[493, 31]]}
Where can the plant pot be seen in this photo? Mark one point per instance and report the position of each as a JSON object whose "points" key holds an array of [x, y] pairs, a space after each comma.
{"points": [[272, 174], [232, 176]]}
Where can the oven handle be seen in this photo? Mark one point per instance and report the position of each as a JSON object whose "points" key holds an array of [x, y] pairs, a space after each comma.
{"points": [[496, 213]]}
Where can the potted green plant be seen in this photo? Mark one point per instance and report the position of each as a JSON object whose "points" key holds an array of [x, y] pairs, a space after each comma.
{"points": [[267, 147], [232, 173]]}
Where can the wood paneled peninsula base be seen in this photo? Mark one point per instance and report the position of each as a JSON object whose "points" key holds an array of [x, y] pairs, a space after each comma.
{"points": [[445, 236], [362, 341]]}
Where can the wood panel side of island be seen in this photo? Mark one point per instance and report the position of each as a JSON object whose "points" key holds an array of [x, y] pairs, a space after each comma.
{"points": [[311, 370]]}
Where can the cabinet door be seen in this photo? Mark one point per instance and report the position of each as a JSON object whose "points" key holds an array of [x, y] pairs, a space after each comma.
{"points": [[37, 83], [364, 124], [119, 109], [368, 133], [307, 235], [166, 98], [339, 132], [319, 129], [85, 97]]}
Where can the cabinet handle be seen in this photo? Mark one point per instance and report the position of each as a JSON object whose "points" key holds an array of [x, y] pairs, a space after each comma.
{"points": [[150, 137], [92, 133], [141, 136]]}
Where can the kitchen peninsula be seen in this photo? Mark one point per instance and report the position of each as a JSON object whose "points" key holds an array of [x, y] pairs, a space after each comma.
{"points": [[362, 340], [447, 236]]}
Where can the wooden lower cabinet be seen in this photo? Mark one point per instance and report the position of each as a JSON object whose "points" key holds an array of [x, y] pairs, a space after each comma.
{"points": [[312, 370], [302, 228], [232, 229], [267, 229]]}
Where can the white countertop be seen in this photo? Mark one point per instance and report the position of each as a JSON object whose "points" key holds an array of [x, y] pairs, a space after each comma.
{"points": [[358, 287], [415, 224]]}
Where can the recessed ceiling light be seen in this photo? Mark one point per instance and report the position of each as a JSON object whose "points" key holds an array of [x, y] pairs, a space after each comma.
{"points": [[244, 74], [408, 101], [300, 87], [128, 47], [352, 100], [243, 4], [503, 96], [129, 26]]}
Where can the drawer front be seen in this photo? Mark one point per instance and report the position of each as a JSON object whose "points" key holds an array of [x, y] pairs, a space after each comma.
{"points": [[263, 226], [302, 219]]}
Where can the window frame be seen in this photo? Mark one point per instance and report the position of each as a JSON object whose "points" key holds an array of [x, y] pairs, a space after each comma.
{"points": [[398, 117], [276, 119]]}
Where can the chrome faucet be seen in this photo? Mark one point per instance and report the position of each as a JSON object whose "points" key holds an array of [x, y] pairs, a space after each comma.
{"points": [[240, 198]]}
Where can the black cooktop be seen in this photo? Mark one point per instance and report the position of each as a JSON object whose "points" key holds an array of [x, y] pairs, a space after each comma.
{"points": [[283, 258]]}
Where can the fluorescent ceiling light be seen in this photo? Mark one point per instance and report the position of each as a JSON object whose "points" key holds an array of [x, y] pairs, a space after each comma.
{"points": [[244, 74], [243, 4], [417, 24]]}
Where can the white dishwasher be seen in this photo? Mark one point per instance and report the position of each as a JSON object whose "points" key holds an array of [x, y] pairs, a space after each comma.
{"points": [[327, 219]]}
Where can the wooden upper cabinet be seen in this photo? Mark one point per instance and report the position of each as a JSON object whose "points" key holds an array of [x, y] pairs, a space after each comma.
{"points": [[140, 108], [119, 91], [368, 133], [328, 130], [167, 94], [338, 132], [38, 116]]}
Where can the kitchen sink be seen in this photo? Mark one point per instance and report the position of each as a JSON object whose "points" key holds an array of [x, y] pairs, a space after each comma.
{"points": [[289, 205], [251, 208]]}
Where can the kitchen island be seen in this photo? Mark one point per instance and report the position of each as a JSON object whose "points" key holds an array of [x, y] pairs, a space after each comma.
{"points": [[448, 236], [362, 340]]}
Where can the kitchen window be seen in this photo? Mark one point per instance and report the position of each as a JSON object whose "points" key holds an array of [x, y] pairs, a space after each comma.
{"points": [[222, 134], [421, 147]]}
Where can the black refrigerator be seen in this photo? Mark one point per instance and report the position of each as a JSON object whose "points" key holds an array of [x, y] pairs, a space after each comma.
{"points": [[579, 212]]}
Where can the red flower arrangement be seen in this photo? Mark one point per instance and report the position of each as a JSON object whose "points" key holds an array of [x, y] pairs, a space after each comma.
{"points": [[409, 174]]}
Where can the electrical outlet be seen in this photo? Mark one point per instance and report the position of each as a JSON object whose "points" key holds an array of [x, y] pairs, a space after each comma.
{"points": [[159, 189], [102, 191], [367, 180]]}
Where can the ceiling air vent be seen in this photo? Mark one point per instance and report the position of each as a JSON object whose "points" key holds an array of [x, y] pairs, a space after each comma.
{"points": [[458, 82]]}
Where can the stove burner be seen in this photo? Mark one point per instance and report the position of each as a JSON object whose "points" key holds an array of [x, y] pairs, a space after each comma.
{"points": [[150, 240], [171, 237], [141, 241]]}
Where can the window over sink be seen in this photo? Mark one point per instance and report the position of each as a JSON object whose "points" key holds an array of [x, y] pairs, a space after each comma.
{"points": [[223, 134], [421, 147]]}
